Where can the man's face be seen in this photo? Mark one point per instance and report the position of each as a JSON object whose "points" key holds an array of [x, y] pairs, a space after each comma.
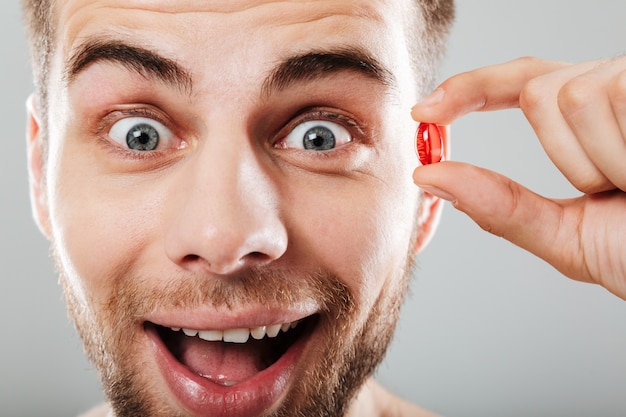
{"points": [[231, 168]]}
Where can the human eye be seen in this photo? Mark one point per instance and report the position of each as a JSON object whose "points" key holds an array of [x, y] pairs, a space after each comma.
{"points": [[317, 135], [141, 134]]}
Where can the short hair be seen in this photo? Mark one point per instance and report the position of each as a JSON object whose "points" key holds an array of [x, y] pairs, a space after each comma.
{"points": [[40, 31], [427, 42]]}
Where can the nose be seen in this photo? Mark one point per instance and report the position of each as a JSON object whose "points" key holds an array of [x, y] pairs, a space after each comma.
{"points": [[226, 215]]}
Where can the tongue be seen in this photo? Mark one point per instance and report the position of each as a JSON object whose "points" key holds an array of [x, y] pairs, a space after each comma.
{"points": [[223, 363]]}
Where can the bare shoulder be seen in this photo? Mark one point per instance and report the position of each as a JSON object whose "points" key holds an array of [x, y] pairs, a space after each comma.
{"points": [[376, 401], [99, 411]]}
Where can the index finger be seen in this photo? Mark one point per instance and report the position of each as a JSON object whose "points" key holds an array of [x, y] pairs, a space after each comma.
{"points": [[489, 88]]}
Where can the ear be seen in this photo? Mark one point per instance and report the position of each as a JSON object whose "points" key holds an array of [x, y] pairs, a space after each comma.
{"points": [[36, 176], [431, 206]]}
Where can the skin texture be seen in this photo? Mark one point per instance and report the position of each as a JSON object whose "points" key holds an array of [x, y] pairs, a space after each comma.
{"points": [[229, 223]]}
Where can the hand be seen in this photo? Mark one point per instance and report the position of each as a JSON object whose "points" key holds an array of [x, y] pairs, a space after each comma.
{"points": [[579, 114]]}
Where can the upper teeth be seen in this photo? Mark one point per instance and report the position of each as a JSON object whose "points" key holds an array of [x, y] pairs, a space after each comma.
{"points": [[239, 335]]}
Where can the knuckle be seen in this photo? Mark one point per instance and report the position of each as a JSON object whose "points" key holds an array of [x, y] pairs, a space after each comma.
{"points": [[617, 88], [529, 61], [533, 93], [533, 96], [515, 197], [574, 96]]}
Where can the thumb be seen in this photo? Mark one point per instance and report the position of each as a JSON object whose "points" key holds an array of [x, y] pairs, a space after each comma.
{"points": [[509, 210]]}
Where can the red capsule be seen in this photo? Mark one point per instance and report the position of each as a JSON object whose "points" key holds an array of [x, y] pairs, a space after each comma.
{"points": [[429, 143]]}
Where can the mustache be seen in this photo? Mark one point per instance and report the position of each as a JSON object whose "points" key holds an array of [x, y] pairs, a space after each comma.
{"points": [[139, 295]]}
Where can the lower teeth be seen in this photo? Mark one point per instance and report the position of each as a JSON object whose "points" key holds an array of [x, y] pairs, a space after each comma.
{"points": [[220, 380]]}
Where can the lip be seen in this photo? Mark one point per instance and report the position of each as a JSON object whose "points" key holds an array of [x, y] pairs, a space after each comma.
{"points": [[207, 318], [205, 398]]}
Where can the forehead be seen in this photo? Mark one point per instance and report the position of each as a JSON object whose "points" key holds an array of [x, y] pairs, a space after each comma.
{"points": [[224, 13], [228, 6], [240, 25]]}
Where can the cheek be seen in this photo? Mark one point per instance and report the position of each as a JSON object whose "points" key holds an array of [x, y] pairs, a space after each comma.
{"points": [[101, 227], [360, 230]]}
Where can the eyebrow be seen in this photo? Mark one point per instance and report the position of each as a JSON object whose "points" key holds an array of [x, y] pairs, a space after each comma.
{"points": [[299, 68], [312, 66], [138, 59]]}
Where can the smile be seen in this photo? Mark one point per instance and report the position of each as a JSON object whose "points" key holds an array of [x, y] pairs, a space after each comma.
{"points": [[242, 371], [239, 335]]}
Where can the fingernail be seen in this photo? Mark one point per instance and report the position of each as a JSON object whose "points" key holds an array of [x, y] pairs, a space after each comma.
{"points": [[437, 192], [433, 98]]}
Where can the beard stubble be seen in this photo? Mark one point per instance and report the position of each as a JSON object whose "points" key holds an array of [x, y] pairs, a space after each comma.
{"points": [[324, 388]]}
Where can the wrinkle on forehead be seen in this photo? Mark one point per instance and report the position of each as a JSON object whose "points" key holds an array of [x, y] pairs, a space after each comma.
{"points": [[358, 8], [164, 25], [74, 15]]}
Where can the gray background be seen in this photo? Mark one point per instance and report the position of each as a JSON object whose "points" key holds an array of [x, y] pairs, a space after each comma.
{"points": [[488, 331]]}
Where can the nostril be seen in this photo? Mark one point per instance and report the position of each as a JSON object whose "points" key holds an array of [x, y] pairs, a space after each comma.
{"points": [[195, 262], [200, 263], [257, 256]]}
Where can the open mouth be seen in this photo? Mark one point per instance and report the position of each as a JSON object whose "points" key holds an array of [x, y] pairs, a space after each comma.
{"points": [[229, 357]]}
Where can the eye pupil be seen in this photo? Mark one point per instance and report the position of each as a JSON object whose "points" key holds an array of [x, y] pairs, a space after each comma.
{"points": [[142, 137], [318, 141], [319, 138]]}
